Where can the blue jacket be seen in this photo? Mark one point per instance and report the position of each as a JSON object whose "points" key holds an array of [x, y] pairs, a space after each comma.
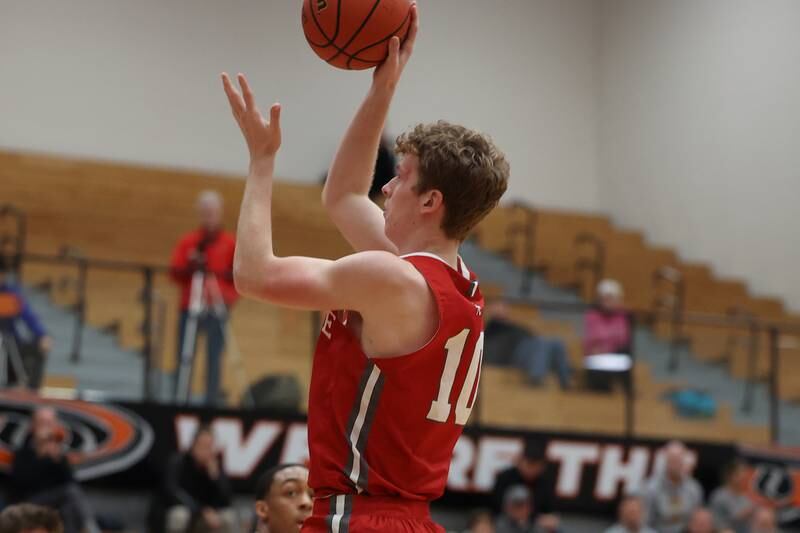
{"points": [[13, 309]]}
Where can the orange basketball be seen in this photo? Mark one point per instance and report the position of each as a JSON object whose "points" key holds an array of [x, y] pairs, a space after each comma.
{"points": [[354, 34]]}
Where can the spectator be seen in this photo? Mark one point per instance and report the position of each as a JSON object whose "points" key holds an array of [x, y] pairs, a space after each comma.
{"points": [[701, 521], [764, 521], [14, 309], [607, 325], [530, 470], [730, 505], [30, 518], [672, 496], [480, 521], [41, 474], [607, 339], [198, 491], [516, 515], [208, 249], [283, 499], [631, 517], [385, 168], [509, 344]]}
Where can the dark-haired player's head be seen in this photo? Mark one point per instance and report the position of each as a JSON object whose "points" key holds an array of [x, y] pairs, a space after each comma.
{"points": [[283, 499], [448, 179], [29, 518]]}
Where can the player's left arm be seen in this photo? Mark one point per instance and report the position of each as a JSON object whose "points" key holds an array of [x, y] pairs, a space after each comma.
{"points": [[357, 282]]}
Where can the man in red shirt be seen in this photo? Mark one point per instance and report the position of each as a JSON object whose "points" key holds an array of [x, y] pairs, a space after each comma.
{"points": [[397, 364], [207, 249]]}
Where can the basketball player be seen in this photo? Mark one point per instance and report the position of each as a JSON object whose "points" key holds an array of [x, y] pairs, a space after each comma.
{"points": [[283, 499], [398, 359]]}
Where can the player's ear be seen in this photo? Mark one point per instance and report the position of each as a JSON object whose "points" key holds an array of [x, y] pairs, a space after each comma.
{"points": [[262, 510], [431, 200]]}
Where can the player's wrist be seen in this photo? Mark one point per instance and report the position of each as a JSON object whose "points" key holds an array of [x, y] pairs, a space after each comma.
{"points": [[262, 166], [382, 90]]}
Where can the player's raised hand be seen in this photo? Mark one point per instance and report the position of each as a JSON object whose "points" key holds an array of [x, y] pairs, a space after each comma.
{"points": [[263, 138], [388, 73]]}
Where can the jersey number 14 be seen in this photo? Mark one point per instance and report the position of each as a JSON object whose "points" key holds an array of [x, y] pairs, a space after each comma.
{"points": [[440, 407]]}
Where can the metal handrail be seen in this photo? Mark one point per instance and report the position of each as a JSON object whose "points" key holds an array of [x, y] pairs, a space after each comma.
{"points": [[595, 264]]}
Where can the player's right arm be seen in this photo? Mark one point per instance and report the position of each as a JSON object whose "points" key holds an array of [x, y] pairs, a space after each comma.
{"points": [[345, 195]]}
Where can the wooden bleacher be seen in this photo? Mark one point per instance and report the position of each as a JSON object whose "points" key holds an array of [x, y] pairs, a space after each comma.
{"points": [[633, 262], [123, 212]]}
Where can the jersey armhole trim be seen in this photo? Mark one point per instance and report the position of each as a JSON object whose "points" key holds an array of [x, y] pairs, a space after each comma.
{"points": [[438, 303]]}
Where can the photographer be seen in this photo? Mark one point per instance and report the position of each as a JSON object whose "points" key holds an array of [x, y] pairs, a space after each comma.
{"points": [[208, 249], [41, 474], [14, 309]]}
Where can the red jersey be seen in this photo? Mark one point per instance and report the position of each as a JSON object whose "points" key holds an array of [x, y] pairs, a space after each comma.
{"points": [[388, 426]]}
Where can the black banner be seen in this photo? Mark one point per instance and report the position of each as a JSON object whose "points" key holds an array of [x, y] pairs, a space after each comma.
{"points": [[128, 445]]}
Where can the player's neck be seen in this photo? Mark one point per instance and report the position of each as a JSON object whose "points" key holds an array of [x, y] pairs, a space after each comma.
{"points": [[446, 250]]}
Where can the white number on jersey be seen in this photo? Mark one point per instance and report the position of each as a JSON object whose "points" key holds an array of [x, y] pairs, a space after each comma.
{"points": [[440, 407]]}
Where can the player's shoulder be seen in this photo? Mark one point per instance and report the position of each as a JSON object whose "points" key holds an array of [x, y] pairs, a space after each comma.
{"points": [[380, 264], [375, 260]]}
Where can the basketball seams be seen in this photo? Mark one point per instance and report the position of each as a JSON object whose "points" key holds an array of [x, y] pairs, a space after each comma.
{"points": [[354, 55], [355, 34], [331, 40], [341, 58]]}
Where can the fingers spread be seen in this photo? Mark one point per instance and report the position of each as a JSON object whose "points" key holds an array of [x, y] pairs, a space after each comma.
{"points": [[234, 98], [275, 115], [249, 99]]}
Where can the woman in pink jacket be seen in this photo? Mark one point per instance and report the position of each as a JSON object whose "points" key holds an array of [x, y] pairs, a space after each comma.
{"points": [[607, 326]]}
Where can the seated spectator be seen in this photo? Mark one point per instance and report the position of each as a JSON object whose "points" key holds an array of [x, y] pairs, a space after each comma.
{"points": [[283, 499], [530, 470], [631, 517], [480, 521], [731, 506], [516, 515], [607, 325], [509, 344], [764, 521], [702, 521], [197, 490], [607, 338], [30, 518], [672, 496], [14, 309], [41, 474]]}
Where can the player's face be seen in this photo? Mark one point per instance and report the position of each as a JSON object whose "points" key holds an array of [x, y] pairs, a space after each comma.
{"points": [[401, 209], [288, 502]]}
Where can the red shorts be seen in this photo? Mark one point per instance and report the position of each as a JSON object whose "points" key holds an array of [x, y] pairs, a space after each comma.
{"points": [[369, 514]]}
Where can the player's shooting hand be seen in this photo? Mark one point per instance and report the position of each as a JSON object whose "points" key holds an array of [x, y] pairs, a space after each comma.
{"points": [[387, 75], [263, 138]]}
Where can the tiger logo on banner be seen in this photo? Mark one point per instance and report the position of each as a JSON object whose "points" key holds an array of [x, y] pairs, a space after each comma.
{"points": [[101, 439], [775, 480]]}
